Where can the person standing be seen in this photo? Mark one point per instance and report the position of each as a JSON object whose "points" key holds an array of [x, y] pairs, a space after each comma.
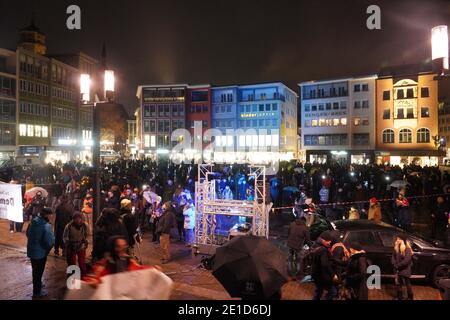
{"points": [[129, 220], [88, 208], [441, 217], [63, 215], [298, 235], [374, 210], [189, 221], [165, 224], [40, 241], [404, 218], [356, 273], [156, 212], [76, 242], [402, 263], [324, 195], [322, 270]]}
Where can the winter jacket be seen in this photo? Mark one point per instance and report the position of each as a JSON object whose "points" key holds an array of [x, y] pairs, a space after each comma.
{"points": [[356, 276], [189, 217], [375, 213], [298, 235], [402, 263], [75, 237], [130, 222], [166, 222], [40, 238], [322, 271], [63, 215]]}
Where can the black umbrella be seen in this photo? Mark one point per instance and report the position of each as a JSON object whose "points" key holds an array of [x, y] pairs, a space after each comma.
{"points": [[250, 267]]}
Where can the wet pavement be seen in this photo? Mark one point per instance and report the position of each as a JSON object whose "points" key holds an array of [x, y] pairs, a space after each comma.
{"points": [[190, 280]]}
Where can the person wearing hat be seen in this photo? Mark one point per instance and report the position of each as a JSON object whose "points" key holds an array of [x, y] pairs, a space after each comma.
{"points": [[374, 210], [356, 273], [76, 242], [322, 269], [166, 222], [88, 207], [129, 220], [402, 263], [40, 241]]}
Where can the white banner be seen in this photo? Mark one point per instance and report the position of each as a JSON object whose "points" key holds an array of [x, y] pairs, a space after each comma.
{"points": [[11, 202], [147, 284]]}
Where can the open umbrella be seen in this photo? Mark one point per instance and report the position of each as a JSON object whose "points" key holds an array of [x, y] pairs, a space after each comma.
{"points": [[399, 184], [32, 192], [250, 267]]}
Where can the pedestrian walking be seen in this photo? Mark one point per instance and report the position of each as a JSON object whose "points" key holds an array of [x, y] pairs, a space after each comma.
{"points": [[356, 273], [165, 224], [63, 215], [40, 241], [402, 263], [76, 242]]}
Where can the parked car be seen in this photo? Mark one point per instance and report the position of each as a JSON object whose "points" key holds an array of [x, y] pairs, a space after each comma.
{"points": [[431, 260]]}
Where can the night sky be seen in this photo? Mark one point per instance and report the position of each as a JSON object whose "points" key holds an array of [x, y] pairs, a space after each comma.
{"points": [[232, 41]]}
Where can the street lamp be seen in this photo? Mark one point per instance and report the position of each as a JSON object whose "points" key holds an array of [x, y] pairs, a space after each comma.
{"points": [[85, 84], [439, 47]]}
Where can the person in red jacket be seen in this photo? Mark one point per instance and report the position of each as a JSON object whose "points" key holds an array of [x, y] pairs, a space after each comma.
{"points": [[117, 261]]}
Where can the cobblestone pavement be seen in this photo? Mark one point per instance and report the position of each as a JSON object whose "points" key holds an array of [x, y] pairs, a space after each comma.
{"points": [[190, 281]]}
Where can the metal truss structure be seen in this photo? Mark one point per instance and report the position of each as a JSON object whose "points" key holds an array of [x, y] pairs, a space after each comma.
{"points": [[208, 207]]}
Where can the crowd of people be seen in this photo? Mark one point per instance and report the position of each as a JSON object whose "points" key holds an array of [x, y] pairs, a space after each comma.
{"points": [[140, 196]]}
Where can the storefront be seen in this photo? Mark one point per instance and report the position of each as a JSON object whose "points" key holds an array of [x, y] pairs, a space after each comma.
{"points": [[401, 158]]}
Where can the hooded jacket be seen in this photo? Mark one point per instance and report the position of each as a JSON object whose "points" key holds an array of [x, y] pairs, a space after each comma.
{"points": [[40, 238]]}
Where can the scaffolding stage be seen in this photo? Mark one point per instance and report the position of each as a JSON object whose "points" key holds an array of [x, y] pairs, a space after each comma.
{"points": [[209, 209]]}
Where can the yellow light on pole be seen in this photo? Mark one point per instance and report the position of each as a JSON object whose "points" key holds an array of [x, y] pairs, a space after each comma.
{"points": [[109, 83], [85, 87], [439, 44]]}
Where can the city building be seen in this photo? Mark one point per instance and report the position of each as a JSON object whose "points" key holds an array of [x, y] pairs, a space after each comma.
{"points": [[8, 104], [407, 115], [266, 123], [444, 115], [163, 110], [241, 123], [338, 119]]}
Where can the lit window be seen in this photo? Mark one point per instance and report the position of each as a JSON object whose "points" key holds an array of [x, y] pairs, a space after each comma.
{"points": [[22, 130], [405, 136], [423, 135], [30, 130], [44, 132], [153, 141], [388, 136], [275, 140], [147, 140], [344, 121], [37, 131]]}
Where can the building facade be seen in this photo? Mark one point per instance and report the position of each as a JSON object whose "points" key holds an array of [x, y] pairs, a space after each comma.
{"points": [[8, 104], [407, 116], [338, 119], [240, 123], [163, 111]]}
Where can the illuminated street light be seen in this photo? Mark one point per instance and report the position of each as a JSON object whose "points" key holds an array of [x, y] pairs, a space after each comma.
{"points": [[85, 87], [439, 45], [109, 84]]}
